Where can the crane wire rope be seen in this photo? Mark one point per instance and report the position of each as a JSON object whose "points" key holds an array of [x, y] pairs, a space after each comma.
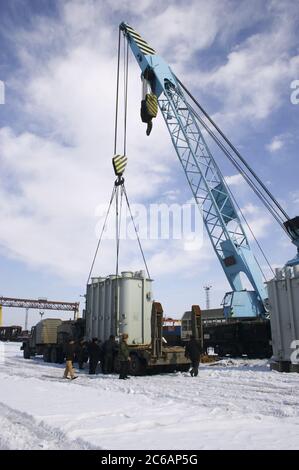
{"points": [[126, 78], [122, 186], [239, 168], [118, 226], [237, 153], [218, 142], [117, 93], [136, 231], [115, 188], [101, 235]]}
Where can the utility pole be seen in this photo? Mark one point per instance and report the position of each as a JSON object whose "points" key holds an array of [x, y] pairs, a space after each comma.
{"points": [[207, 290], [26, 319]]}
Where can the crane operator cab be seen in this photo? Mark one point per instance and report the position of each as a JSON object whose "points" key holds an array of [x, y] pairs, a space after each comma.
{"points": [[292, 228]]}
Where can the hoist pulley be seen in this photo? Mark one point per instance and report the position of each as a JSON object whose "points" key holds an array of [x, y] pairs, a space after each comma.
{"points": [[119, 163], [149, 105]]}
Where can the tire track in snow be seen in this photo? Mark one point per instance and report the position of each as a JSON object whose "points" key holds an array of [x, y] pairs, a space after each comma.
{"points": [[251, 389], [234, 392], [20, 431]]}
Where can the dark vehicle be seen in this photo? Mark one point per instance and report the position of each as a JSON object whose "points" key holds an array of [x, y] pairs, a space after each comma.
{"points": [[238, 338], [49, 337], [10, 333], [229, 337]]}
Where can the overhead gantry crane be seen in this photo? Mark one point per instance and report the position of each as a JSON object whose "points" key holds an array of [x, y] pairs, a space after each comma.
{"points": [[39, 304]]}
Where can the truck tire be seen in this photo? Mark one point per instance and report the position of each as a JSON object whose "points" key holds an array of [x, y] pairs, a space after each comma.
{"points": [[137, 365], [47, 355], [26, 352]]}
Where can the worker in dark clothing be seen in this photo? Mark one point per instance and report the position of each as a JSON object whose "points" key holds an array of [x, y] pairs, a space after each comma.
{"points": [[82, 354], [70, 353], [193, 351], [124, 357], [110, 350], [94, 353]]}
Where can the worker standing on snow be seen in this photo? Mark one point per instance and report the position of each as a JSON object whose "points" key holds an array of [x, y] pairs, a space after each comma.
{"points": [[82, 354], [70, 352], [109, 351], [124, 357], [94, 353], [192, 351]]}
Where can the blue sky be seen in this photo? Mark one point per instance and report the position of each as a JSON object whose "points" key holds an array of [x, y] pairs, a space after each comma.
{"points": [[58, 62]]}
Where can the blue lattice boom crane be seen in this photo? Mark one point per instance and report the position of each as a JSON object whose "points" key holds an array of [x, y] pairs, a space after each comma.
{"points": [[163, 90]]}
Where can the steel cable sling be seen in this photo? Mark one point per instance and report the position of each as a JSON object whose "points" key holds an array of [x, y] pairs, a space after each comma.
{"points": [[119, 183], [122, 185]]}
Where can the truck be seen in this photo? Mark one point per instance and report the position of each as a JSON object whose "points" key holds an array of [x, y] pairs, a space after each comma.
{"points": [[49, 337]]}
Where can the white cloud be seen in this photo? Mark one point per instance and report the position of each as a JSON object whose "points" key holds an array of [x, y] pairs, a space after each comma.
{"points": [[234, 180], [255, 77], [173, 258], [276, 144], [178, 30], [60, 165], [58, 168], [258, 219], [172, 194], [295, 197]]}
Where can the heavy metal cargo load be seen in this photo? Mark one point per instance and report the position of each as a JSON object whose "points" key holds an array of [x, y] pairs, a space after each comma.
{"points": [[284, 316], [124, 305], [133, 312]]}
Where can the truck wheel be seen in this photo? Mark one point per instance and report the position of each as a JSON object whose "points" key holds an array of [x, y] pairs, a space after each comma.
{"points": [[137, 366], [47, 355], [26, 352]]}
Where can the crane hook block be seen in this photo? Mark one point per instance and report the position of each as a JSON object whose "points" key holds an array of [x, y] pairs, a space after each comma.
{"points": [[119, 163], [149, 110]]}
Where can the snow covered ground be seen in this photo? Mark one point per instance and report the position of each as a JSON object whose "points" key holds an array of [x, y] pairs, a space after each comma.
{"points": [[236, 404]]}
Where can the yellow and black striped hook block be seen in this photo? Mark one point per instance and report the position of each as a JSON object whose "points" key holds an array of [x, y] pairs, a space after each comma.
{"points": [[119, 163]]}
